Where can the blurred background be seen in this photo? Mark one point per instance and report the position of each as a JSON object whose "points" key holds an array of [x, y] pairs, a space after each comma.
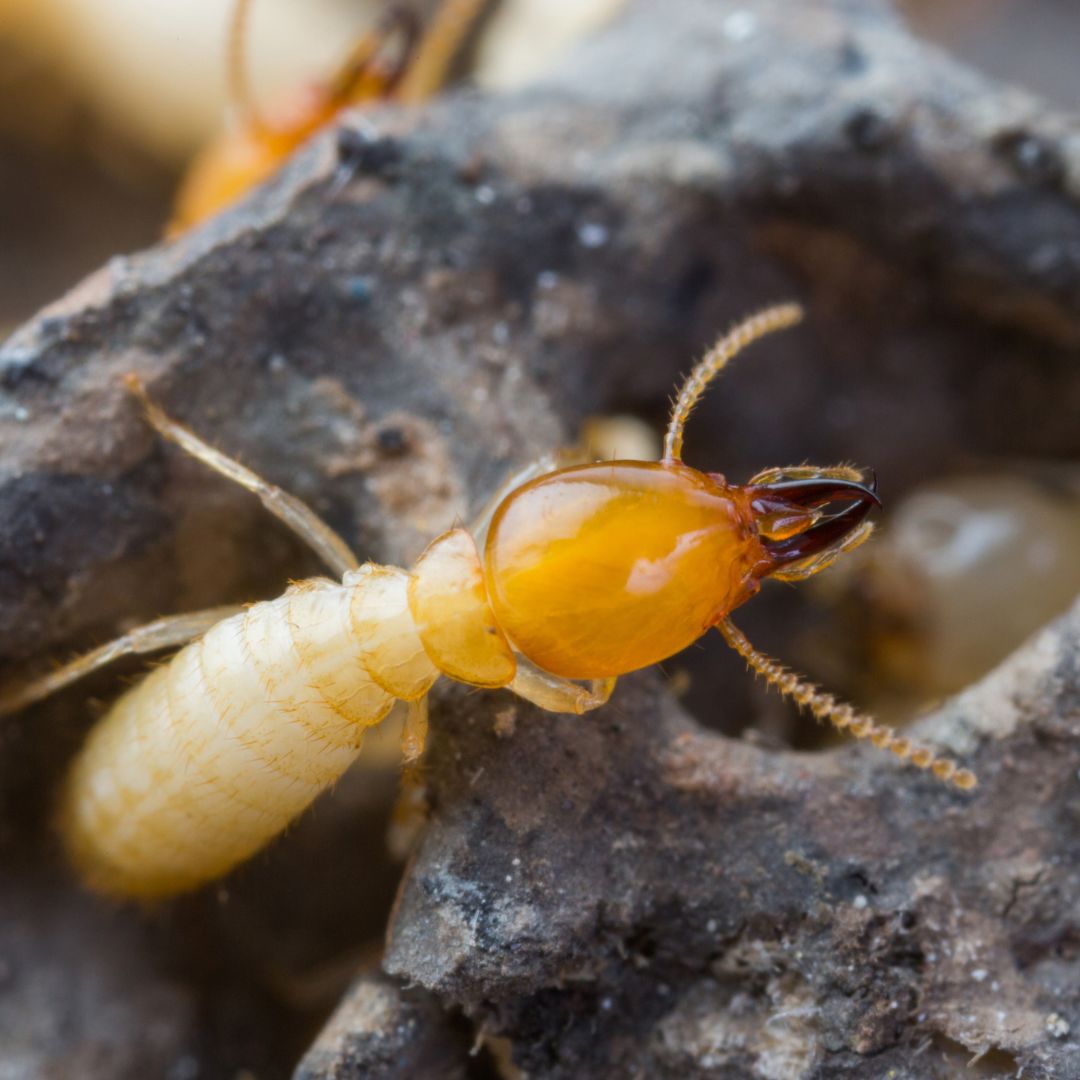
{"points": [[103, 102]]}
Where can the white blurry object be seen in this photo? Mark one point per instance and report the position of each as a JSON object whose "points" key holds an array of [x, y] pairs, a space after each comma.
{"points": [[964, 571], [156, 68], [526, 36], [620, 437]]}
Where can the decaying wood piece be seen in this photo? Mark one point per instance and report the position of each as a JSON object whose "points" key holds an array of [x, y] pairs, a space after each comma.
{"points": [[423, 300]]}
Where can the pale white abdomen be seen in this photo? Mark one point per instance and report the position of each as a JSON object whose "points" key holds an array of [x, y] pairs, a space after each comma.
{"points": [[213, 754]]}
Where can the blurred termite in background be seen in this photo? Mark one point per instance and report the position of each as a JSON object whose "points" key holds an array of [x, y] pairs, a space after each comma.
{"points": [[104, 103], [570, 579], [394, 61]]}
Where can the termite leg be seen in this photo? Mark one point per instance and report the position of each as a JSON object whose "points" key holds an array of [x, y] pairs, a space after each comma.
{"points": [[411, 809], [379, 61], [843, 717], [410, 813], [241, 99], [291, 511], [414, 730], [559, 695], [170, 632], [715, 360]]}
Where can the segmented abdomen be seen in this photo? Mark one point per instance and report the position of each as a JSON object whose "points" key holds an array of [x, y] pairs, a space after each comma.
{"points": [[213, 754]]}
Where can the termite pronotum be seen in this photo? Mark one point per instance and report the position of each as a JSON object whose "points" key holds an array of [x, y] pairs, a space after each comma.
{"points": [[575, 577], [392, 62]]}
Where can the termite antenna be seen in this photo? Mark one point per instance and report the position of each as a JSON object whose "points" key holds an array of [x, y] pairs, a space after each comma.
{"points": [[241, 98], [778, 317], [843, 717]]}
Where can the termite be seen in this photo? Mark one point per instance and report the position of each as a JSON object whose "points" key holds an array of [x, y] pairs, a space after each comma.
{"points": [[573, 578], [392, 62]]}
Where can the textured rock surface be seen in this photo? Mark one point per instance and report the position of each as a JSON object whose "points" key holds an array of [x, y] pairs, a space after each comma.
{"points": [[423, 300], [646, 896], [380, 1032]]}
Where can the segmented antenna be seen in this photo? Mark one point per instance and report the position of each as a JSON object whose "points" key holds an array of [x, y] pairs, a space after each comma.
{"points": [[715, 360], [842, 716]]}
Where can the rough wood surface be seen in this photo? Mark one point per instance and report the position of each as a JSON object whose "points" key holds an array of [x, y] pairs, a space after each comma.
{"points": [[424, 299]]}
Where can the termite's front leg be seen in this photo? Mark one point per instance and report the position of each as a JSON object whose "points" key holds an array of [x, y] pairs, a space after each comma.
{"points": [[411, 809], [559, 695], [288, 509], [558, 459]]}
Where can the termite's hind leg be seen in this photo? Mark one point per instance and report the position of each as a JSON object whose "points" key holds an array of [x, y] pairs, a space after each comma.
{"points": [[170, 632], [559, 695], [291, 511], [410, 813], [843, 717]]}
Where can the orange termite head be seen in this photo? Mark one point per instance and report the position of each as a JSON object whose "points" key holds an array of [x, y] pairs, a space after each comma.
{"points": [[599, 570]]}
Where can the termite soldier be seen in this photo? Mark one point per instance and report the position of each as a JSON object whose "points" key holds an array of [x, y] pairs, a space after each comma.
{"points": [[578, 576]]}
